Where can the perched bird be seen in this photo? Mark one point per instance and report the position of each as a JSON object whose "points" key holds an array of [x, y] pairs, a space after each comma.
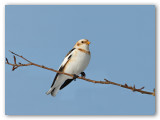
{"points": [[74, 63]]}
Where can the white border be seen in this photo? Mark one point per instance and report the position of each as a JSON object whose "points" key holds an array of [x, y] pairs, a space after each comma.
{"points": [[70, 2]]}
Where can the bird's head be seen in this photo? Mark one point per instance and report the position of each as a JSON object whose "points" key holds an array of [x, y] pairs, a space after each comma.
{"points": [[83, 44]]}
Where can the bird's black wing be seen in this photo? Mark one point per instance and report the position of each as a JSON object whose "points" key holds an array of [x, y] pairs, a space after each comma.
{"points": [[62, 67], [66, 83], [70, 51]]}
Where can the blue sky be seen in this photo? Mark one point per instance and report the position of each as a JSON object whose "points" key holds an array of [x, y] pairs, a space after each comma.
{"points": [[122, 50]]}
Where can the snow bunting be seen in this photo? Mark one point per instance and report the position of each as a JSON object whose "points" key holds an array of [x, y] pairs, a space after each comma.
{"points": [[74, 63]]}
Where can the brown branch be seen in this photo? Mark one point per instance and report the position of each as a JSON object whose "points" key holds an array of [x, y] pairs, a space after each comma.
{"points": [[15, 66]]}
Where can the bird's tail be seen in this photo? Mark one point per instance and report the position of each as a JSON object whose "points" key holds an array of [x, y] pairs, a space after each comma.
{"points": [[53, 91], [50, 90]]}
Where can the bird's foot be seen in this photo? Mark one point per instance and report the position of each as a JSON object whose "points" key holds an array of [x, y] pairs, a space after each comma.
{"points": [[75, 76], [83, 74]]}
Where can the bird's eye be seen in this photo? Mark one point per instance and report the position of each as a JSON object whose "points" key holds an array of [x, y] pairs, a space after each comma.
{"points": [[82, 42]]}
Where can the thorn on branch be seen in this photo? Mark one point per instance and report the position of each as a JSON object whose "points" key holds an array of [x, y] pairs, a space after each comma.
{"points": [[106, 80], [13, 68], [142, 88], [125, 85], [133, 88], [7, 61], [14, 59]]}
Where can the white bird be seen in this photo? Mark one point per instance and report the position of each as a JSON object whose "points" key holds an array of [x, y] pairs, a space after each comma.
{"points": [[74, 63]]}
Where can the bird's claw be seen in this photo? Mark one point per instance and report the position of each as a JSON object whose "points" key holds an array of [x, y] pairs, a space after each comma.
{"points": [[83, 74], [75, 76]]}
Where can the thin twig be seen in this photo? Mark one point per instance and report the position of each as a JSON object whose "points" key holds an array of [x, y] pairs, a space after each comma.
{"points": [[15, 66]]}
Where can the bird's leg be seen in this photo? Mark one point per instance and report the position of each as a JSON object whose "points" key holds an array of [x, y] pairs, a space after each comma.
{"points": [[75, 76], [83, 74]]}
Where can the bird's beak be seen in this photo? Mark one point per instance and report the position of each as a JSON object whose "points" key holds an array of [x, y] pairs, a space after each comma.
{"points": [[88, 42]]}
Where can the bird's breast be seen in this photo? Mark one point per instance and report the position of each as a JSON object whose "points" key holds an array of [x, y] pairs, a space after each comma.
{"points": [[78, 62]]}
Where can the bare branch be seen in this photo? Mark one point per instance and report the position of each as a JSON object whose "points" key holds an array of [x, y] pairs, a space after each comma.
{"points": [[15, 66]]}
